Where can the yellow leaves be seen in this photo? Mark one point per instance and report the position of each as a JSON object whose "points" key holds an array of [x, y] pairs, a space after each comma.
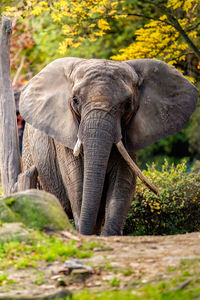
{"points": [[76, 45], [60, 3], [66, 29], [62, 48], [10, 9], [186, 5], [191, 79], [68, 42], [93, 39], [89, 20], [92, 25], [158, 39], [121, 16], [163, 17], [81, 39], [193, 34], [112, 12], [114, 4], [174, 3], [80, 13], [37, 10], [64, 45], [103, 25], [78, 18], [56, 17], [43, 3], [99, 33]]}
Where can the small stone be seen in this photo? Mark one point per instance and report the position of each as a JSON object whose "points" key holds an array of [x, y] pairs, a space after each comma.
{"points": [[76, 264]]}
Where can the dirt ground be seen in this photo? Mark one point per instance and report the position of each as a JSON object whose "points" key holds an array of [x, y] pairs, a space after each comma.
{"points": [[124, 262]]}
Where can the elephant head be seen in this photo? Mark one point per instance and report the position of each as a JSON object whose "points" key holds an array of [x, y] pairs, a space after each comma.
{"points": [[98, 103]]}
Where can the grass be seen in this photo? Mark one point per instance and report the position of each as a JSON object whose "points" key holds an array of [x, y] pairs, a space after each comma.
{"points": [[147, 293], [40, 279], [40, 248], [127, 272], [115, 282]]}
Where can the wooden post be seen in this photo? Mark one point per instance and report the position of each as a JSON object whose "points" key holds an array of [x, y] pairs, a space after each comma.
{"points": [[9, 145]]}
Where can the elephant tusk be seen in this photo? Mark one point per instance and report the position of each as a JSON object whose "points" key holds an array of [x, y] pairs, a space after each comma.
{"points": [[135, 168], [77, 148]]}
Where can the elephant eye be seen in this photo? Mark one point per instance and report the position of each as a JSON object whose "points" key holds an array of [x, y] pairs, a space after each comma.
{"points": [[128, 105], [75, 100]]}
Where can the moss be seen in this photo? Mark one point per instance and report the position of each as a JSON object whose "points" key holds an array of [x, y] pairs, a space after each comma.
{"points": [[6, 214], [36, 209], [10, 201]]}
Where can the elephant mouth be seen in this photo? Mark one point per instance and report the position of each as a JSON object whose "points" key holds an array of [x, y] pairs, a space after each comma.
{"points": [[130, 162]]}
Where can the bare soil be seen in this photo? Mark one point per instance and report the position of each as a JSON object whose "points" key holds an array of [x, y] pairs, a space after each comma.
{"points": [[124, 262]]}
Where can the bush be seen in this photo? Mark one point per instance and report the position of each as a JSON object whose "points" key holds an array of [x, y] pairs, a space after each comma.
{"points": [[176, 211]]}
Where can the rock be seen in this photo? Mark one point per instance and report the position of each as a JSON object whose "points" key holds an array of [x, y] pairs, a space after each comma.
{"points": [[74, 264], [10, 231], [36, 209]]}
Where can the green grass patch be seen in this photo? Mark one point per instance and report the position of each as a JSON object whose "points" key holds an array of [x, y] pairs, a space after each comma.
{"points": [[127, 272], [40, 279], [147, 293], [40, 248], [115, 282], [3, 277]]}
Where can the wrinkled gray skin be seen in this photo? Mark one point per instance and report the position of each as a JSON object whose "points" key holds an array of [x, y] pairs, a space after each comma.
{"points": [[100, 102]]}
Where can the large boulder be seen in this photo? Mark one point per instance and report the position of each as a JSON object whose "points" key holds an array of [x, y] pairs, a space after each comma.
{"points": [[36, 209]]}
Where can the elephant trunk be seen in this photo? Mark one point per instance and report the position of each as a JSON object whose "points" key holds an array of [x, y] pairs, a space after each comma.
{"points": [[97, 140]]}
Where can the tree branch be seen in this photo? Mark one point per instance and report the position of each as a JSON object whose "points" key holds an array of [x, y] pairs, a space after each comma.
{"points": [[175, 23], [142, 16], [194, 27], [18, 70]]}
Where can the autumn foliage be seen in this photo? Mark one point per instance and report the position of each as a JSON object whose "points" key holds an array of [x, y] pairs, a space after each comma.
{"points": [[166, 30]]}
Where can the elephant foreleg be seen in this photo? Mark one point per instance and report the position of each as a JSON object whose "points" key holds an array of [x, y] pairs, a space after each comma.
{"points": [[120, 193], [44, 157], [71, 168]]}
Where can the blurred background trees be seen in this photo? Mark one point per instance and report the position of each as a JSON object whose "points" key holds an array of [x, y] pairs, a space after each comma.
{"points": [[113, 29]]}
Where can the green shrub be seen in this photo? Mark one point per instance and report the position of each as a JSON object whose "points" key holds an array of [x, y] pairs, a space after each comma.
{"points": [[176, 211]]}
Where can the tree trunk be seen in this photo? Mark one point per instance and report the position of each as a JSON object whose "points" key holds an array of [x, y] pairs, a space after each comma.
{"points": [[9, 145]]}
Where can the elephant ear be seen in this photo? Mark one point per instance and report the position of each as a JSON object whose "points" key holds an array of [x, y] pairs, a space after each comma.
{"points": [[44, 102], [166, 101]]}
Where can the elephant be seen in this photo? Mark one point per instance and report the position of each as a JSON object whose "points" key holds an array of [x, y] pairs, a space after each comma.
{"points": [[76, 112]]}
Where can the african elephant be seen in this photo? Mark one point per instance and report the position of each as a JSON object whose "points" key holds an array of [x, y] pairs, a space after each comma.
{"points": [[78, 109]]}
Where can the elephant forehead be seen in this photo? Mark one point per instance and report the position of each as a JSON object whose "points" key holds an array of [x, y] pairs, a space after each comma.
{"points": [[103, 79], [102, 70]]}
